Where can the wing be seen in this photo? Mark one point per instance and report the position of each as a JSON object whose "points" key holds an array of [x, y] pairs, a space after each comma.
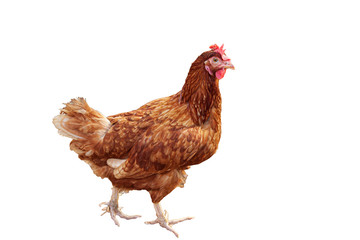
{"points": [[124, 133], [127, 128], [161, 149]]}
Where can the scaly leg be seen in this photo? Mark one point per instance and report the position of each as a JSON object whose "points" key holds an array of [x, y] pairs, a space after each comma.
{"points": [[114, 209], [163, 221]]}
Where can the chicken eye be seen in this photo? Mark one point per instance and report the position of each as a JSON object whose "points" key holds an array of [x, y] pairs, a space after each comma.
{"points": [[215, 60]]}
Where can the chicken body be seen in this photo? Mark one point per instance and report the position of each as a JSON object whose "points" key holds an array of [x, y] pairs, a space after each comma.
{"points": [[159, 141], [151, 147]]}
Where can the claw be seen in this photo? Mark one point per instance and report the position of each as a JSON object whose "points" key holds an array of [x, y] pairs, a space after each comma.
{"points": [[162, 219], [113, 208], [114, 211], [163, 222]]}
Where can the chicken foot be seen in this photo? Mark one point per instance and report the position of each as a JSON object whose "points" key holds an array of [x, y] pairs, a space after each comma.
{"points": [[114, 209], [163, 221]]}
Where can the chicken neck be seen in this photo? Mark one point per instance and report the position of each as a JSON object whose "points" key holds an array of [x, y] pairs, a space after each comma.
{"points": [[201, 93]]}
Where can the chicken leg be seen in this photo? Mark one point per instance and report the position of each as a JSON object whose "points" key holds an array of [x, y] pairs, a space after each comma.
{"points": [[163, 221], [114, 209]]}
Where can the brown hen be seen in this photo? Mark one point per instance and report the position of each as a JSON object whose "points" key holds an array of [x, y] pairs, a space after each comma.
{"points": [[151, 147]]}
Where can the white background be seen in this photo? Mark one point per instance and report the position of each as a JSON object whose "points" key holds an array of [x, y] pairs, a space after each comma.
{"points": [[288, 161]]}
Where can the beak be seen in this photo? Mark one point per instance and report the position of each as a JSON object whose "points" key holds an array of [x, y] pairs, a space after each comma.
{"points": [[228, 64]]}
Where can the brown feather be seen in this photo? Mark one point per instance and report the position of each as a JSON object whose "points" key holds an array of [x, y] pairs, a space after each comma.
{"points": [[159, 140]]}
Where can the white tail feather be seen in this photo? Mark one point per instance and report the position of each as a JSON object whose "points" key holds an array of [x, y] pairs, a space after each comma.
{"points": [[80, 122], [59, 122]]}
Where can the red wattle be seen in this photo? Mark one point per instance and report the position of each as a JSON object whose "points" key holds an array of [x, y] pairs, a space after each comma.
{"points": [[220, 73]]}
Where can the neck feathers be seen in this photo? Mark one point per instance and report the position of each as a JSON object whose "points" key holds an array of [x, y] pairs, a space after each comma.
{"points": [[201, 92]]}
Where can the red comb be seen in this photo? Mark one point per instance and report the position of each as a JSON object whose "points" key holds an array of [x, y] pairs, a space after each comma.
{"points": [[220, 50]]}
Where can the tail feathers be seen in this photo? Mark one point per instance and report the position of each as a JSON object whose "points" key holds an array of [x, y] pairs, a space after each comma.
{"points": [[80, 122]]}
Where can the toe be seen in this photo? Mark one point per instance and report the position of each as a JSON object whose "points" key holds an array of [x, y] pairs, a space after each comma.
{"points": [[169, 228], [175, 221], [113, 217], [125, 216]]}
